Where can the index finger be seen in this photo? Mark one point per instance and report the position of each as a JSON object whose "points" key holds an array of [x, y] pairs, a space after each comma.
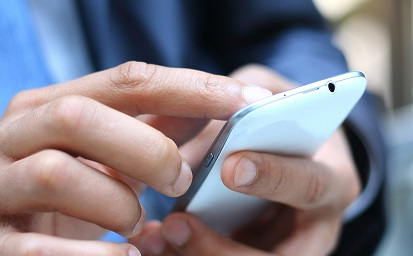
{"points": [[140, 88]]}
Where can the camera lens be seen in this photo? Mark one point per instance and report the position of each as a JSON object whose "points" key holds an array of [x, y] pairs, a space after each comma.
{"points": [[331, 87]]}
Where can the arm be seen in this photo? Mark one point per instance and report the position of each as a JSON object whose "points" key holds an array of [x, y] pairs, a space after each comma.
{"points": [[73, 155], [292, 39]]}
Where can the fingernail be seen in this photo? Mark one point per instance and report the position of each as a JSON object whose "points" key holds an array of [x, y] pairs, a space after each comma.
{"points": [[245, 172], [254, 93], [134, 252], [139, 226], [184, 180], [177, 232]]}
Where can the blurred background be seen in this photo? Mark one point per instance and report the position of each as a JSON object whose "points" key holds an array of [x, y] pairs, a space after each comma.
{"points": [[377, 38]]}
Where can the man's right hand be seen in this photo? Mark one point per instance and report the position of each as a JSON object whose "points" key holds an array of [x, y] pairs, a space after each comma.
{"points": [[73, 156]]}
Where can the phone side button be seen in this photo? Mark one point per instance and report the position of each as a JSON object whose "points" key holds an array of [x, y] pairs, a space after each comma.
{"points": [[208, 159]]}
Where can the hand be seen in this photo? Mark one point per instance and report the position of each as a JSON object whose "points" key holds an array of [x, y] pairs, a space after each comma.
{"points": [[309, 195], [73, 155]]}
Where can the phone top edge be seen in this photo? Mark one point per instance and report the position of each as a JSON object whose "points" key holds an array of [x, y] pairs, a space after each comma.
{"points": [[282, 95], [297, 90]]}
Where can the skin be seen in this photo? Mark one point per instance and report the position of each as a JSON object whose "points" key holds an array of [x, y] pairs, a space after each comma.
{"points": [[74, 156], [309, 195]]}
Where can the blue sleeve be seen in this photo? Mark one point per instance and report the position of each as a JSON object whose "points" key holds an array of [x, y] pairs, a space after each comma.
{"points": [[289, 36]]}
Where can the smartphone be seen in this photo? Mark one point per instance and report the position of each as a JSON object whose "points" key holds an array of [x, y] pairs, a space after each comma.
{"points": [[295, 122]]}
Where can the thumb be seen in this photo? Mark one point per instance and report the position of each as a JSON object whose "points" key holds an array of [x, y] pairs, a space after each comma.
{"points": [[189, 236]]}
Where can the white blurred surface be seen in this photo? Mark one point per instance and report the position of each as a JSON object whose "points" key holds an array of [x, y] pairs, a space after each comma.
{"points": [[337, 9], [398, 127]]}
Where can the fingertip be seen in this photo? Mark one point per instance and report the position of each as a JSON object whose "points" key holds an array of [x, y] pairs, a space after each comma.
{"points": [[141, 222], [138, 225], [174, 174], [133, 251], [239, 170], [151, 240], [228, 169], [176, 230], [183, 181], [245, 172]]}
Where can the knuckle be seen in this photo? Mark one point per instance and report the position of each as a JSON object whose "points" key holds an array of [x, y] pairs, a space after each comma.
{"points": [[51, 171], [217, 91], [19, 99], [4, 242], [211, 86], [211, 83], [132, 75], [271, 180], [31, 247], [276, 181], [69, 114], [353, 190], [316, 188], [24, 100]]}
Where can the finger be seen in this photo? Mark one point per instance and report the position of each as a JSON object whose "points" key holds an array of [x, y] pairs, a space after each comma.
{"points": [[276, 224], [151, 242], [191, 237], [253, 74], [68, 227], [287, 231], [17, 244], [54, 181], [139, 88], [298, 182], [312, 238], [179, 129], [134, 184], [94, 131]]}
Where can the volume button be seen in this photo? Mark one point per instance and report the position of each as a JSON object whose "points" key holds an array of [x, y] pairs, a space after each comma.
{"points": [[209, 159]]}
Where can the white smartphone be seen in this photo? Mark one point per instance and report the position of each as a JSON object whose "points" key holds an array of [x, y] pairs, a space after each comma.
{"points": [[295, 122]]}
